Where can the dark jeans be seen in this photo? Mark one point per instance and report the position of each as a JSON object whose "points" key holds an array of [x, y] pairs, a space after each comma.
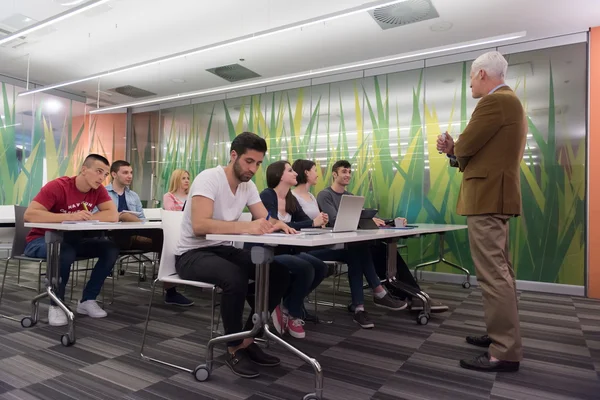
{"points": [[230, 269], [307, 272], [358, 258], [403, 274], [73, 247]]}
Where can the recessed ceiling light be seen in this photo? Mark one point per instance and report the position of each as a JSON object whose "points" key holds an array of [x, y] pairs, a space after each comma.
{"points": [[441, 26], [27, 19], [178, 80]]}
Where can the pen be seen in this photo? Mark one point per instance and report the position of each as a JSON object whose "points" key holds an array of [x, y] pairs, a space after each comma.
{"points": [[85, 207], [268, 215]]}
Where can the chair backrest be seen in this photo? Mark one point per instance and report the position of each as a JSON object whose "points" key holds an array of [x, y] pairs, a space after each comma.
{"points": [[18, 245], [244, 217], [171, 226], [7, 212], [152, 214]]}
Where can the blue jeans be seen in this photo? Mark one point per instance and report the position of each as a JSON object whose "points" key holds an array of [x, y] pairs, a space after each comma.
{"points": [[73, 247], [307, 272], [360, 262]]}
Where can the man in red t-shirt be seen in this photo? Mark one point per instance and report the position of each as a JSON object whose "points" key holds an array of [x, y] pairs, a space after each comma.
{"points": [[72, 199]]}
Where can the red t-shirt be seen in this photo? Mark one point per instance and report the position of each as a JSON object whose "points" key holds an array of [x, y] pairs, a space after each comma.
{"points": [[62, 196]]}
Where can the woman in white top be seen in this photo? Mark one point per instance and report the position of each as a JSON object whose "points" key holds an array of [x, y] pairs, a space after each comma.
{"points": [[306, 171]]}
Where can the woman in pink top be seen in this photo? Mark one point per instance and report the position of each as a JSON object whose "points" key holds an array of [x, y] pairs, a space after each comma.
{"points": [[179, 184]]}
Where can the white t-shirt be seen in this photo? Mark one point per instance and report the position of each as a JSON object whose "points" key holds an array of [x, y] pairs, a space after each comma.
{"points": [[212, 183], [310, 208]]}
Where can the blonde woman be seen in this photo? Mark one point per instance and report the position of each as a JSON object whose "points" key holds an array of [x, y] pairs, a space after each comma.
{"points": [[179, 185]]}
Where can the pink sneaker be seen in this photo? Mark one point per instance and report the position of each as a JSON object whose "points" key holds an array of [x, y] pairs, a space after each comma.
{"points": [[279, 320], [295, 328]]}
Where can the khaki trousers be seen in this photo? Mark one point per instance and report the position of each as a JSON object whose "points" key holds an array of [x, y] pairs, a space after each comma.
{"points": [[489, 242]]}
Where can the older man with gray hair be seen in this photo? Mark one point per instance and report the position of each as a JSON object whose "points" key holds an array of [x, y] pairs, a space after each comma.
{"points": [[489, 153]]}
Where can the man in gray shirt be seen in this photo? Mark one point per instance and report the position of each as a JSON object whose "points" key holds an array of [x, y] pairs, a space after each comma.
{"points": [[329, 202]]}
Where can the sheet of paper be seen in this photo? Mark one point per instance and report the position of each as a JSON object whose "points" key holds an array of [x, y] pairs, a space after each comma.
{"points": [[93, 221]]}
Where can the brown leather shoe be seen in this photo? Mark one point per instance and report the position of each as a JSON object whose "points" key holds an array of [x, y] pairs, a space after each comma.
{"points": [[483, 363], [480, 341]]}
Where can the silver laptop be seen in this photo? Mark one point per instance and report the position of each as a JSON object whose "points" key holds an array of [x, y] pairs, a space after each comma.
{"points": [[347, 216]]}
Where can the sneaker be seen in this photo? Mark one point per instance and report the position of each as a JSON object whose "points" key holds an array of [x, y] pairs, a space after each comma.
{"points": [[295, 328], [390, 302], [279, 320], [57, 317], [91, 308], [362, 319], [416, 304], [258, 356], [241, 365], [177, 299]]}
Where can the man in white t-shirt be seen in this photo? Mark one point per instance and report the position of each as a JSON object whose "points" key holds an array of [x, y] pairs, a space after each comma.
{"points": [[218, 197]]}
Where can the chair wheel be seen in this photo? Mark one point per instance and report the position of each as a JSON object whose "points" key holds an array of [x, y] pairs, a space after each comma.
{"points": [[310, 396], [27, 322], [423, 318], [466, 284], [201, 373], [66, 340]]}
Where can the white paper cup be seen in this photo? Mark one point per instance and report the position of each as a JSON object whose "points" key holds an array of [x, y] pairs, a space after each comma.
{"points": [[399, 222]]}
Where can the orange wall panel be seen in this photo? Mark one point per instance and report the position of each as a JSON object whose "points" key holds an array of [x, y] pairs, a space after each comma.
{"points": [[594, 168]]}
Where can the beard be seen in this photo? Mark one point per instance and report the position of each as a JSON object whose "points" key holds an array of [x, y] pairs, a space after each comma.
{"points": [[239, 174]]}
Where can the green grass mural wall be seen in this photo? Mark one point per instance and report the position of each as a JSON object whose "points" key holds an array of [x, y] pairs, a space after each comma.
{"points": [[22, 169], [400, 179]]}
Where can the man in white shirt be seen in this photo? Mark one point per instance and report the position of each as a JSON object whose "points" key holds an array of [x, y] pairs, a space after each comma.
{"points": [[218, 197]]}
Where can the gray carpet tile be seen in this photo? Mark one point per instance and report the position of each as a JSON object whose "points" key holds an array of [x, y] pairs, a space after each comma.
{"points": [[399, 359]]}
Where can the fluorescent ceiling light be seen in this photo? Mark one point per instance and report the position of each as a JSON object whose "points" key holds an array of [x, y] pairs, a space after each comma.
{"points": [[363, 64], [72, 3], [52, 20], [241, 39]]}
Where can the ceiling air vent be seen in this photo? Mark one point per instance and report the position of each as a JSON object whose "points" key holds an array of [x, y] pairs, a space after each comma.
{"points": [[405, 13], [233, 72], [132, 91]]}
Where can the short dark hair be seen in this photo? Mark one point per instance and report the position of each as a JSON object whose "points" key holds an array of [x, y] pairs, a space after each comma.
{"points": [[274, 174], [94, 157], [340, 164], [116, 166], [300, 167], [248, 141]]}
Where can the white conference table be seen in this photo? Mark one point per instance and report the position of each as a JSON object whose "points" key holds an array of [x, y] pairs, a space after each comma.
{"points": [[263, 255], [7, 222], [54, 236]]}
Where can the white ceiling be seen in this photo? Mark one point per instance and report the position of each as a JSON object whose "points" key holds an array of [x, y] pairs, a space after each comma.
{"points": [[123, 32]]}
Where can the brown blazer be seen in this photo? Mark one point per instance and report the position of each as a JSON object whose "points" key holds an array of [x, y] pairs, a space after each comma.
{"points": [[489, 153]]}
